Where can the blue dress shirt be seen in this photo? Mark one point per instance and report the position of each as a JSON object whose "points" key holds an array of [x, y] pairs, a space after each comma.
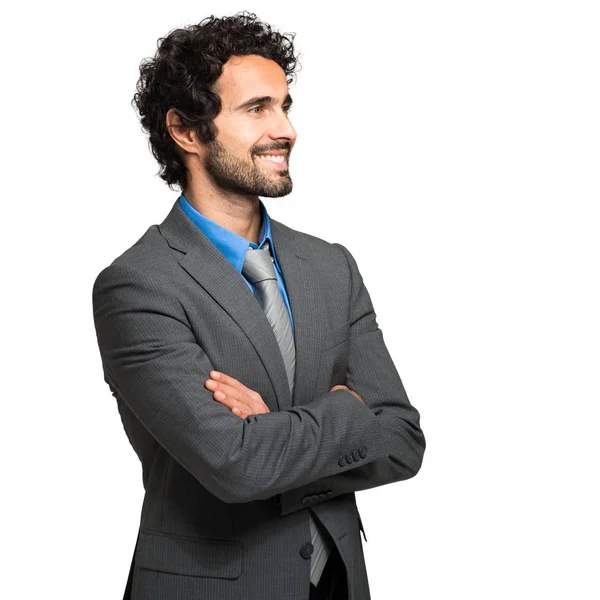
{"points": [[234, 246]]}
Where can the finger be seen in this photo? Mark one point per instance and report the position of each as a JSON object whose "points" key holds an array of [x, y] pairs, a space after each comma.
{"points": [[245, 402], [236, 408], [230, 402], [338, 387], [229, 391], [232, 398], [240, 412], [228, 380], [242, 394], [242, 405]]}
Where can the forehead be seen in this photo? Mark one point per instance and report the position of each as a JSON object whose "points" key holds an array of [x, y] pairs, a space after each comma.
{"points": [[244, 77]]}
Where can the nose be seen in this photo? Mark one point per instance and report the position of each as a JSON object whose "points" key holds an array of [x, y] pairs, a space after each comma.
{"points": [[282, 128]]}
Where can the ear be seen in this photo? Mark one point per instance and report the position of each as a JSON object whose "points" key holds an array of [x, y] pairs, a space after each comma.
{"points": [[183, 136]]}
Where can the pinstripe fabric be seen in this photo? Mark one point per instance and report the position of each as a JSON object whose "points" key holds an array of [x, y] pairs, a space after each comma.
{"points": [[227, 500], [258, 269]]}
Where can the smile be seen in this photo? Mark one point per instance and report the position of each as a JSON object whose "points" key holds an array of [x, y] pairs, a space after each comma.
{"points": [[274, 158]]}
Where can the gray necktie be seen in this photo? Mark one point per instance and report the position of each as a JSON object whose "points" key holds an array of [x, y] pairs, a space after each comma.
{"points": [[259, 271]]}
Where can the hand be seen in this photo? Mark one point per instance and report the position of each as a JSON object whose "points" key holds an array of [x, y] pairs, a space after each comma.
{"points": [[343, 387], [235, 395]]}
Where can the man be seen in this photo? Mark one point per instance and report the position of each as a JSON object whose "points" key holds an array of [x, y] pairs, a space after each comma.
{"points": [[251, 376]]}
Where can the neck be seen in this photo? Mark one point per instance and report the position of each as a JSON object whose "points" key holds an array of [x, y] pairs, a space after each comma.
{"points": [[235, 212]]}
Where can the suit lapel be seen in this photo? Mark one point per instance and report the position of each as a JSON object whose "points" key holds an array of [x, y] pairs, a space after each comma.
{"points": [[296, 262], [210, 269]]}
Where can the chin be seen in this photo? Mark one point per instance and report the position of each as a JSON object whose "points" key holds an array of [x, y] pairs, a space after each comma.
{"points": [[277, 193]]}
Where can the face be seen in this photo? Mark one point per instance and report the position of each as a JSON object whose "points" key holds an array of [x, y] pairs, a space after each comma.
{"points": [[250, 154]]}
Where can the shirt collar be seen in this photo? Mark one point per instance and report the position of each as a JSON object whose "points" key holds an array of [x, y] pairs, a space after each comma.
{"points": [[230, 244]]}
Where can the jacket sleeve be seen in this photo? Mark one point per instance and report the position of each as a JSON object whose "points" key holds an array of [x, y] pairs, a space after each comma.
{"points": [[154, 364], [371, 373]]}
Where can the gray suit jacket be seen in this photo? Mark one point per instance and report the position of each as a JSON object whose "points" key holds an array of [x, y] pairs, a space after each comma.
{"points": [[225, 511]]}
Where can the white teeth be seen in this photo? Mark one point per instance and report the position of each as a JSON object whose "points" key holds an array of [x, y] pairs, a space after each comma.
{"points": [[272, 157]]}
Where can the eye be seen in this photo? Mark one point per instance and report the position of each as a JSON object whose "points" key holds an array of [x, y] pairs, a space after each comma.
{"points": [[255, 110]]}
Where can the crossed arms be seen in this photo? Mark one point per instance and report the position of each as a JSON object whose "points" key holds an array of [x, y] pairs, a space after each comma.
{"points": [[153, 363]]}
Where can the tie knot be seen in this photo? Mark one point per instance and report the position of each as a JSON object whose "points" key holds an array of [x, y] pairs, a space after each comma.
{"points": [[258, 265]]}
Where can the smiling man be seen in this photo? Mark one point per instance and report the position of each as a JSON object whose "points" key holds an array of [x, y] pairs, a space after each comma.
{"points": [[251, 155], [251, 376]]}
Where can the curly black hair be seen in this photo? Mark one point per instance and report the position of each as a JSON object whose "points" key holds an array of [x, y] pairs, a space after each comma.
{"points": [[183, 73]]}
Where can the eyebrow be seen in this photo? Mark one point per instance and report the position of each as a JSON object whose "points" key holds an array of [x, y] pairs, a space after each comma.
{"points": [[263, 100]]}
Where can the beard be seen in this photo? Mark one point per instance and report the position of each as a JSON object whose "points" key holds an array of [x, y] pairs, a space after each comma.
{"points": [[240, 177]]}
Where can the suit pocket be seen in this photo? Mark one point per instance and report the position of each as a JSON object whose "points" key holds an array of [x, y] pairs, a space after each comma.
{"points": [[199, 557]]}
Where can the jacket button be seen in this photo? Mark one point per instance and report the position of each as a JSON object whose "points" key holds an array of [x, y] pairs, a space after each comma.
{"points": [[322, 497], [305, 500], [329, 494], [342, 461], [349, 458], [306, 550], [356, 454], [363, 452]]}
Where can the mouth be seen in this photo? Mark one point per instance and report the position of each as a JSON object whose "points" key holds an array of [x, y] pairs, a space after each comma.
{"points": [[274, 160]]}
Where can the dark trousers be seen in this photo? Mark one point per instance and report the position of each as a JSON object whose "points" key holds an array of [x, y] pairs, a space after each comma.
{"points": [[332, 584]]}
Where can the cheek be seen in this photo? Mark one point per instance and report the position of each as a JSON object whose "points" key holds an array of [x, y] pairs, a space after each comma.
{"points": [[240, 136], [241, 147]]}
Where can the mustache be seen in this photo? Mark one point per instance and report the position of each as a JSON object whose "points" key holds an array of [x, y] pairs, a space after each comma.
{"points": [[275, 146]]}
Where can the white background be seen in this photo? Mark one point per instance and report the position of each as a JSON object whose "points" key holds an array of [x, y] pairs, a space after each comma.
{"points": [[453, 147]]}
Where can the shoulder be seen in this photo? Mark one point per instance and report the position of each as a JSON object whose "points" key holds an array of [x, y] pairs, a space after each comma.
{"points": [[334, 254], [150, 252], [149, 260], [316, 245]]}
